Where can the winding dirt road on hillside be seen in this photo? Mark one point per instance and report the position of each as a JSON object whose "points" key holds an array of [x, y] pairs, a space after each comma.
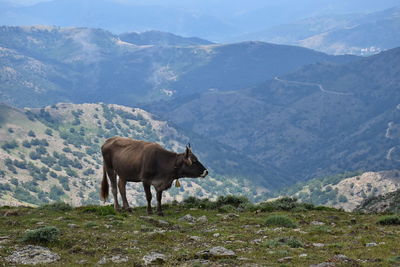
{"points": [[321, 88]]}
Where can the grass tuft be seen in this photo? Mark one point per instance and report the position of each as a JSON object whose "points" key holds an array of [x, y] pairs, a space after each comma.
{"points": [[99, 210], [389, 220], [45, 234], [280, 221], [91, 224], [232, 200], [57, 206], [291, 242]]}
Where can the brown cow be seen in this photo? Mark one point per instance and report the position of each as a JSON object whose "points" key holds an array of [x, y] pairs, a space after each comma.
{"points": [[149, 163]]}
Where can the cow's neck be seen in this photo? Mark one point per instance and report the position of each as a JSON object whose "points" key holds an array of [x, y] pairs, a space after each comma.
{"points": [[178, 166]]}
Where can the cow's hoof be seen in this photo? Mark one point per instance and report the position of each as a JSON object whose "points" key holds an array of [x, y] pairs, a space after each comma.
{"points": [[149, 212], [128, 209], [160, 213]]}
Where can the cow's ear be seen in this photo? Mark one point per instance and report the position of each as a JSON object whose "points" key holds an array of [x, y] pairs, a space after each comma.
{"points": [[188, 160], [188, 152]]}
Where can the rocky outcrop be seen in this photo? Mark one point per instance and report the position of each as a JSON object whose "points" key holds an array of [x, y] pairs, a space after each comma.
{"points": [[389, 202]]}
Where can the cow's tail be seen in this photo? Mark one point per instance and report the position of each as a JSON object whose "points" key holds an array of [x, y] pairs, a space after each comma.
{"points": [[104, 185]]}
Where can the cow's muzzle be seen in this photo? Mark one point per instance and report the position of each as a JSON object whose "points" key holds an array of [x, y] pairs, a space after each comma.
{"points": [[204, 174]]}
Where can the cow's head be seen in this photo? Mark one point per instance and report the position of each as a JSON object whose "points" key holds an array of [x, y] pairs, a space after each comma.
{"points": [[190, 166]]}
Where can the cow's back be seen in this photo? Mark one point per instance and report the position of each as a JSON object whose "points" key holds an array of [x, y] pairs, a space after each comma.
{"points": [[119, 147], [126, 156]]}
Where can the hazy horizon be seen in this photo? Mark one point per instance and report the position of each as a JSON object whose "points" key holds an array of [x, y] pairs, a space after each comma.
{"points": [[217, 21]]}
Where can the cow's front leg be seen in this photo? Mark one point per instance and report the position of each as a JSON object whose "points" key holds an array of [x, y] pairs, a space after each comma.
{"points": [[148, 198], [159, 209]]}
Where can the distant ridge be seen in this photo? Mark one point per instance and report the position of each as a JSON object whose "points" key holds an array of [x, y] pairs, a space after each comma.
{"points": [[76, 64], [161, 38]]}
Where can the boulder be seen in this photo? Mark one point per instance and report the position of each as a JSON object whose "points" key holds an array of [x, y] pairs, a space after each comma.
{"points": [[187, 218], [154, 258], [217, 253], [202, 219], [33, 255], [113, 259]]}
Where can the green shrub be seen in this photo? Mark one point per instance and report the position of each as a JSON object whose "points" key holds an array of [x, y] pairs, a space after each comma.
{"points": [[389, 220], [5, 187], [193, 202], [42, 235], [49, 132], [23, 195], [231, 200], [286, 204], [325, 208], [271, 243], [57, 206], [91, 224], [31, 133], [395, 259], [248, 207], [226, 208], [291, 242], [342, 198], [10, 145], [294, 243], [280, 221], [99, 210], [56, 193]]}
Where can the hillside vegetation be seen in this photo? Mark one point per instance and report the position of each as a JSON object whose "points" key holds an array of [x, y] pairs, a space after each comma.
{"points": [[53, 154], [228, 232], [350, 190], [388, 203]]}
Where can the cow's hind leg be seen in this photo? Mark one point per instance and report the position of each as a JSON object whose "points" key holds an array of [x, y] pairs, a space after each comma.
{"points": [[159, 208], [122, 191], [148, 198], [113, 180]]}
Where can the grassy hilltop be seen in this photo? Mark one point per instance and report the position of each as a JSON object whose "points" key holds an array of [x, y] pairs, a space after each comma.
{"points": [[280, 233]]}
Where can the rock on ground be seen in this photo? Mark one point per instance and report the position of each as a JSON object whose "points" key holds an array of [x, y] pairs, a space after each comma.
{"points": [[154, 258], [188, 218], [202, 219], [324, 264], [33, 255], [217, 253], [195, 238], [285, 259], [159, 223], [114, 259]]}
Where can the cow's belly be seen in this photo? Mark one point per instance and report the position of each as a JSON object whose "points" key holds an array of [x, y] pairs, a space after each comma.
{"points": [[133, 179]]}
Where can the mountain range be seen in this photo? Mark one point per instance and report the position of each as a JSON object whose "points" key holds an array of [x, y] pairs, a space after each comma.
{"points": [[358, 34], [262, 115], [218, 21], [320, 120], [54, 64]]}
